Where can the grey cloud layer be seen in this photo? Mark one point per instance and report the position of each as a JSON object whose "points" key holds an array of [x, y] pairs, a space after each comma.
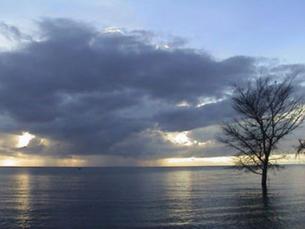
{"points": [[96, 92]]}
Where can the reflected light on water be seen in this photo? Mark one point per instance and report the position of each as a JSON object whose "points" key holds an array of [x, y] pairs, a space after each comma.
{"points": [[150, 198], [23, 200], [179, 196]]}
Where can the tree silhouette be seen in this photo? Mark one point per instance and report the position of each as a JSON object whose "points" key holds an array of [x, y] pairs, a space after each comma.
{"points": [[301, 147], [268, 111]]}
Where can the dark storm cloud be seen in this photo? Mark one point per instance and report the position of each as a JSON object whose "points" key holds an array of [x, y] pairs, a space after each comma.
{"points": [[97, 92]]}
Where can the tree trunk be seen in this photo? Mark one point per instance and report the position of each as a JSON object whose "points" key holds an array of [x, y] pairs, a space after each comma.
{"points": [[264, 178]]}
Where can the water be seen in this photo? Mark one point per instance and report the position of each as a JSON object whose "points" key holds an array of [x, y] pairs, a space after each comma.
{"points": [[149, 198]]}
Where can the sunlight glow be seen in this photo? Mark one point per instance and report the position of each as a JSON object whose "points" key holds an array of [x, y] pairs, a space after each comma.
{"points": [[182, 139], [226, 160], [198, 161], [111, 29], [24, 139], [183, 104], [179, 138], [21, 160], [209, 100], [8, 162], [37, 161]]}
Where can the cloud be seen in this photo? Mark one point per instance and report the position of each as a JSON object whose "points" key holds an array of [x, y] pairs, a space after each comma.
{"points": [[100, 92], [188, 118]]}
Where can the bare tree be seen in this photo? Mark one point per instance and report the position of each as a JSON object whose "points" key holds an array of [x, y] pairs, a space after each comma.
{"points": [[301, 147], [268, 111]]}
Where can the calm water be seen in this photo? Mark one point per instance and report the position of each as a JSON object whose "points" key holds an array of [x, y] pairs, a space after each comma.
{"points": [[149, 198]]}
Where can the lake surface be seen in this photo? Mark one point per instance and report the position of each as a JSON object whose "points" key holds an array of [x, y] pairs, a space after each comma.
{"points": [[202, 197]]}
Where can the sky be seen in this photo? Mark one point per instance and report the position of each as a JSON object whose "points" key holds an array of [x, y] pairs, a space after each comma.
{"points": [[134, 83]]}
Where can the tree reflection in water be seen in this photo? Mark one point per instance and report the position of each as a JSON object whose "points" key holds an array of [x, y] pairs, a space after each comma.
{"points": [[259, 211]]}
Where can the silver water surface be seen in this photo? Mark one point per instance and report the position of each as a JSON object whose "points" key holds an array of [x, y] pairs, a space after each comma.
{"points": [[149, 198]]}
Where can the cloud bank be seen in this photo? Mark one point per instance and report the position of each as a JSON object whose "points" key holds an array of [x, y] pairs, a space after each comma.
{"points": [[85, 91]]}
